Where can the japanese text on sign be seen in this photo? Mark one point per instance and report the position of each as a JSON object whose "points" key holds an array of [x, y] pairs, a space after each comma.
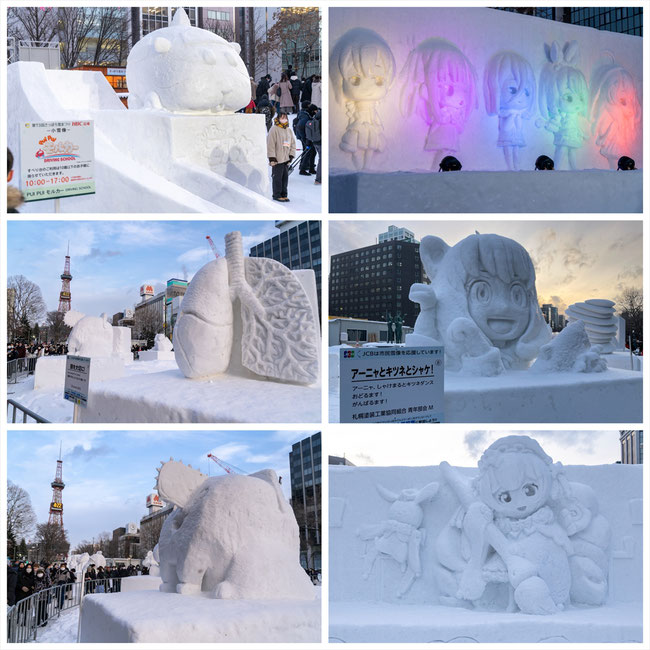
{"points": [[401, 384], [77, 379], [57, 159]]}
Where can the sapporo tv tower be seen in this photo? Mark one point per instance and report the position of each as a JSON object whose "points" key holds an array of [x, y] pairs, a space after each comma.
{"points": [[56, 505], [64, 296]]}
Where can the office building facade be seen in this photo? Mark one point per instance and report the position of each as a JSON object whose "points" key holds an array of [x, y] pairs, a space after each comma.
{"points": [[631, 447]]}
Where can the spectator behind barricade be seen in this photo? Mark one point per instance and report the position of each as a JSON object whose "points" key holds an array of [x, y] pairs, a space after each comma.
{"points": [[316, 91], [14, 195], [25, 583], [281, 150], [12, 581], [313, 134], [41, 584]]}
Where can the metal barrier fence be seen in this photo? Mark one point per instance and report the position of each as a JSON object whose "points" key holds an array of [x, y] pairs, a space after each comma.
{"points": [[25, 411], [17, 368], [29, 615]]}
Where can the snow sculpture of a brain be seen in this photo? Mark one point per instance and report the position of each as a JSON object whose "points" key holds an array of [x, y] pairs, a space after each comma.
{"points": [[280, 334], [232, 536], [481, 304], [184, 69], [524, 537]]}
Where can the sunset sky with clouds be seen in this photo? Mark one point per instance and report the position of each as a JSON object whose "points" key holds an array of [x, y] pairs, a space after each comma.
{"points": [[574, 260]]}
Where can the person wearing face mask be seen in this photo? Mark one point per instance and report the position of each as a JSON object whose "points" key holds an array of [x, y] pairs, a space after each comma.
{"points": [[61, 579], [25, 583], [281, 150], [41, 585]]}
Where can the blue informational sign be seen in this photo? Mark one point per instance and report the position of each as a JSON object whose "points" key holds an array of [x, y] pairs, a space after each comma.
{"points": [[392, 384], [77, 379]]}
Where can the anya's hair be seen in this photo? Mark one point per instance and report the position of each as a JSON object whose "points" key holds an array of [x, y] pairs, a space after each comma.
{"points": [[361, 52], [502, 67], [555, 80], [433, 62], [605, 85]]}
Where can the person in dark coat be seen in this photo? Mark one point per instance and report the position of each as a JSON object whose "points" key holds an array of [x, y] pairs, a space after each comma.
{"points": [[264, 107], [262, 89], [306, 90], [61, 579], [309, 152], [296, 87], [41, 584], [25, 583], [12, 581]]}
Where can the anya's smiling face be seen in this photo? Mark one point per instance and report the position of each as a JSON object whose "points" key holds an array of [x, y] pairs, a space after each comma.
{"points": [[500, 309]]}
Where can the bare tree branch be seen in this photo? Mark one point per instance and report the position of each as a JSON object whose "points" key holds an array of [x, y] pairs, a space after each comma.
{"points": [[25, 304], [21, 518]]}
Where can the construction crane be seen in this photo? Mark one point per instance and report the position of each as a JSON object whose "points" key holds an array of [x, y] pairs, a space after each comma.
{"points": [[212, 246], [230, 469]]}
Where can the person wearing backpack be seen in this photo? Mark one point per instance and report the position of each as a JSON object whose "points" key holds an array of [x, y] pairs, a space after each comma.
{"points": [[299, 123], [312, 133]]}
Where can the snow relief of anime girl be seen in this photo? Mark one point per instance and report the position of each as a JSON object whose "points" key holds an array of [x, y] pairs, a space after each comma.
{"points": [[523, 537], [440, 85], [509, 92], [481, 304], [362, 70], [615, 112], [564, 102]]}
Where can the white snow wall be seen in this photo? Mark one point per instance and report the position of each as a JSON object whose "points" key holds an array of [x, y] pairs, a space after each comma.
{"points": [[355, 502], [479, 33]]}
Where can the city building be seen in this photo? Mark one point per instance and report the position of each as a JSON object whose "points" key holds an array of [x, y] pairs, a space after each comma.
{"points": [[251, 29], [375, 280], [145, 20], [339, 460], [157, 312], [626, 20], [151, 524], [128, 542], [397, 234], [360, 330], [305, 469], [173, 297], [553, 317], [297, 246], [631, 447]]}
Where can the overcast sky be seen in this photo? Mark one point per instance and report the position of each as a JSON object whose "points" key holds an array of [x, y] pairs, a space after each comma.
{"points": [[574, 260], [109, 474], [111, 259], [412, 446]]}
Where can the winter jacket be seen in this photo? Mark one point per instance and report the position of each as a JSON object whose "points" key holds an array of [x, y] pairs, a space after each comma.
{"points": [[62, 576], [280, 144], [306, 91], [14, 199], [40, 584], [316, 94], [286, 101], [12, 581], [301, 119], [24, 585], [262, 88], [295, 89]]}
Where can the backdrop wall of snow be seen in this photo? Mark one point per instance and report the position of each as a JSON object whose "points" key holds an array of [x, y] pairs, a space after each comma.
{"points": [[479, 34]]}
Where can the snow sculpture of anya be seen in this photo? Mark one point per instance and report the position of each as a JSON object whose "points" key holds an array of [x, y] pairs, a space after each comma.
{"points": [[615, 112], [523, 537], [362, 70], [564, 102], [232, 537], [440, 84], [400, 536], [280, 335], [509, 92], [481, 304]]}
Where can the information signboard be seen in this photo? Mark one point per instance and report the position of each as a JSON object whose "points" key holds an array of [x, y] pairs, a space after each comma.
{"points": [[392, 384], [77, 380], [57, 159]]}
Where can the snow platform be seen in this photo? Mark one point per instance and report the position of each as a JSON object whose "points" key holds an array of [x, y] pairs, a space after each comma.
{"points": [[622, 359], [589, 190], [140, 583], [156, 355], [50, 371], [157, 617], [356, 622], [169, 396]]}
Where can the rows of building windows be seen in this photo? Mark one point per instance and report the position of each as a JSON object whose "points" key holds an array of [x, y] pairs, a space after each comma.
{"points": [[218, 15], [627, 20]]}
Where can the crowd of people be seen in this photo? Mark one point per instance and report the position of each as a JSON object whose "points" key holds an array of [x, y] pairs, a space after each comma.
{"points": [[25, 579], [34, 350]]}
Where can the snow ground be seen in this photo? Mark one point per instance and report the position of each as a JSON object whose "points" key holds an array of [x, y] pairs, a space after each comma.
{"points": [[60, 630]]}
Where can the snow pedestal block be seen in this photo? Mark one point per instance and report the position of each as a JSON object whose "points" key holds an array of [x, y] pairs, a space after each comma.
{"points": [[522, 396], [170, 397], [157, 617], [156, 355], [140, 583], [50, 371], [591, 190]]}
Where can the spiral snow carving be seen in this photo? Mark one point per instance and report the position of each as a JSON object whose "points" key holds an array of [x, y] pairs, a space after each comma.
{"points": [[600, 322], [232, 536], [280, 331]]}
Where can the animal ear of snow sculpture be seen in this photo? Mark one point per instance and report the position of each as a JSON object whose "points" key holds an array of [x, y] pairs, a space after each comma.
{"points": [[362, 70], [509, 91], [399, 537], [440, 85], [481, 304], [91, 336], [615, 111], [231, 536], [280, 331], [564, 102], [151, 562], [523, 536], [184, 69]]}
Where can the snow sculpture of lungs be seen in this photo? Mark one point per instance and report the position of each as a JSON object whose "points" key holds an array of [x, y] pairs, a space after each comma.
{"points": [[523, 536], [280, 331], [231, 536], [615, 111], [399, 537], [362, 70], [564, 102], [481, 304], [184, 69], [440, 85], [509, 92]]}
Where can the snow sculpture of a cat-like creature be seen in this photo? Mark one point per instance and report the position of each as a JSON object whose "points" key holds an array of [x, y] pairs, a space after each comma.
{"points": [[184, 69], [231, 536], [523, 537], [481, 304], [280, 335]]}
